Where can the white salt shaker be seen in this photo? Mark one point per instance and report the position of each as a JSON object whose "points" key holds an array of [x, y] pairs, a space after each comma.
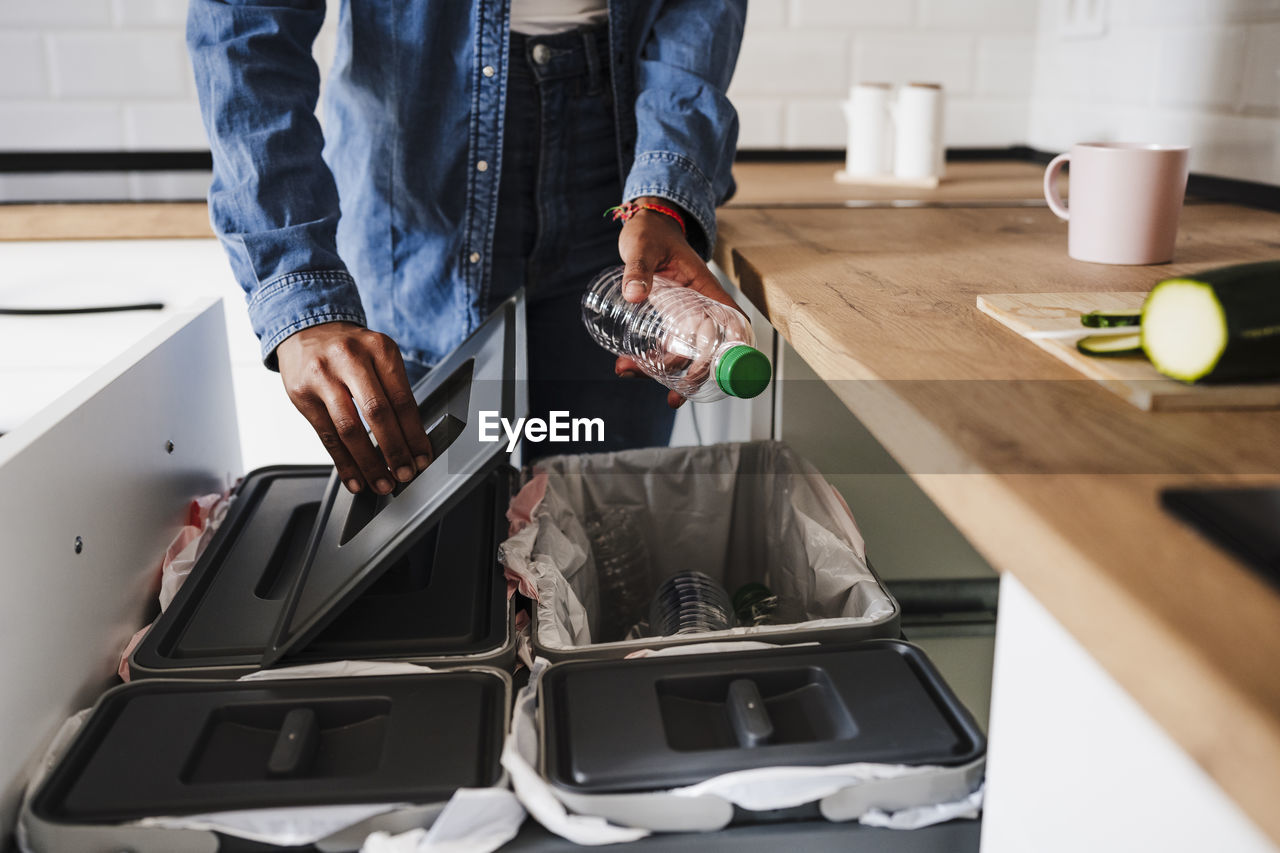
{"points": [[870, 132], [918, 147]]}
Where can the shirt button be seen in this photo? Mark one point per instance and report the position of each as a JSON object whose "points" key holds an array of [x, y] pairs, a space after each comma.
{"points": [[487, 71], [475, 257], [541, 54], [482, 166]]}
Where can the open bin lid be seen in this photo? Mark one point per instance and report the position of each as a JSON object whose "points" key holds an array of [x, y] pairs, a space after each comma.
{"points": [[359, 537]]}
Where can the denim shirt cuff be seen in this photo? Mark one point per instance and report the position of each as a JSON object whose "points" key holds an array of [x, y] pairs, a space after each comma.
{"points": [[672, 176], [299, 300]]}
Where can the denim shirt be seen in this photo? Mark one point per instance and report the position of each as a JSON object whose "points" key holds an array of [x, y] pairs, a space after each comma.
{"points": [[387, 217]]}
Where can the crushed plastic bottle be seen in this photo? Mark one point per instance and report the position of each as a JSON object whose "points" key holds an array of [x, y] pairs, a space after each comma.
{"points": [[700, 348]]}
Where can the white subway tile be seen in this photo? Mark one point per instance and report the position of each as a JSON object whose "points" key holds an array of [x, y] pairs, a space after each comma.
{"points": [[759, 122], [1244, 147], [1261, 89], [1199, 67], [1056, 125], [64, 186], [945, 58], [35, 126], [150, 13], [1062, 68], [22, 65], [1123, 68], [122, 65], [55, 13], [986, 123], [979, 15], [1159, 14], [800, 63], [1005, 65], [169, 186], [851, 13], [766, 15], [815, 123], [165, 127]]}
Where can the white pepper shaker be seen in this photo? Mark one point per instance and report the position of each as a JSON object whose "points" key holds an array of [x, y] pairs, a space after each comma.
{"points": [[918, 148], [870, 148]]}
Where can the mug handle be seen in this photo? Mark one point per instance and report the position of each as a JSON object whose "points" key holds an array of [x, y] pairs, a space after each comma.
{"points": [[1051, 186]]}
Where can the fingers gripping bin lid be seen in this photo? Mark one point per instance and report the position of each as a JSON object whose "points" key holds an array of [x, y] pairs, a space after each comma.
{"points": [[303, 570], [617, 736], [172, 748]]}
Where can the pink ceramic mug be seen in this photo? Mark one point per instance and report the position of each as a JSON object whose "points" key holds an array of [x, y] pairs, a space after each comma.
{"points": [[1125, 200]]}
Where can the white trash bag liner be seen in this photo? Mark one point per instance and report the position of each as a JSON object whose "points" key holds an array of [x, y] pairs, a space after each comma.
{"points": [[740, 513]]}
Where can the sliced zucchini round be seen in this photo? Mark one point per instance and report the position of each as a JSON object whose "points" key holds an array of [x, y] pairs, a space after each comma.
{"points": [[1110, 345], [1110, 319], [1185, 332], [1219, 325]]}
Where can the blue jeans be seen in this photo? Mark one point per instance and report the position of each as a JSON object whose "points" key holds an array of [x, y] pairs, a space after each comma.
{"points": [[560, 172]]}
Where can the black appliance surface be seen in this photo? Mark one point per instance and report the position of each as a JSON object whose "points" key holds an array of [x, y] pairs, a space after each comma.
{"points": [[171, 747], [654, 723], [1244, 521]]}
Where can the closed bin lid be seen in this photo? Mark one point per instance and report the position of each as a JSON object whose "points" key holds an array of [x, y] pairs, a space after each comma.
{"points": [[661, 722], [359, 537], [174, 747]]}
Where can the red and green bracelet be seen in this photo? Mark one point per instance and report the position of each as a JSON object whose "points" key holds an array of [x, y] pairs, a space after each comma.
{"points": [[629, 209]]}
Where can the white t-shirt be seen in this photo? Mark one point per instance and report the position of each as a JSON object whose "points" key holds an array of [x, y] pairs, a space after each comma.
{"points": [[544, 17]]}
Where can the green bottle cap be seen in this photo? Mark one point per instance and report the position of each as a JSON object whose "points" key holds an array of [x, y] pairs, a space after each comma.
{"points": [[743, 371]]}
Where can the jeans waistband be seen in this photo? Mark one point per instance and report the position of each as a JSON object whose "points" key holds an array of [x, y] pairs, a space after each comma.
{"points": [[583, 52]]}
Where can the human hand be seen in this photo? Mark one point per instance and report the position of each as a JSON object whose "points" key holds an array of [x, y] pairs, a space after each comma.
{"points": [[333, 373], [650, 244]]}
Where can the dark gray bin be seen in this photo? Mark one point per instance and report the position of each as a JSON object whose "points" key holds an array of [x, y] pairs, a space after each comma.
{"points": [[175, 748], [302, 571], [689, 718]]}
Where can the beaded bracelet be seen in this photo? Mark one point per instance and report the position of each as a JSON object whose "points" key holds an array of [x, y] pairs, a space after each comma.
{"points": [[629, 209]]}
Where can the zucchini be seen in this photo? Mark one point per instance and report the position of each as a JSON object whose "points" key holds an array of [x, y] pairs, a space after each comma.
{"points": [[1109, 319], [1221, 325], [1110, 345]]}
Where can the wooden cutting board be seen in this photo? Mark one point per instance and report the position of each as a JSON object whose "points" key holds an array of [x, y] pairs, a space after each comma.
{"points": [[1038, 316]]}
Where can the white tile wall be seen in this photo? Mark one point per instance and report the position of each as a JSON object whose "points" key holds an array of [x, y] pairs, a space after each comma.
{"points": [[792, 63], [113, 74], [165, 126], [1199, 72], [60, 126], [53, 14], [22, 67], [96, 75], [799, 58], [117, 65], [106, 75]]}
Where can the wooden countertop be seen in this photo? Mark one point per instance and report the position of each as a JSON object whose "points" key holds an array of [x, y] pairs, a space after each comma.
{"points": [[1049, 475], [802, 184], [94, 221]]}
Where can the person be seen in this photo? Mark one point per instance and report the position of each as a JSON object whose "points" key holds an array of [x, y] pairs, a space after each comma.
{"points": [[469, 149]]}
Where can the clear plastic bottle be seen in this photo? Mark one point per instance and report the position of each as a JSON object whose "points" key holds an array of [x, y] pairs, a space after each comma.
{"points": [[695, 346]]}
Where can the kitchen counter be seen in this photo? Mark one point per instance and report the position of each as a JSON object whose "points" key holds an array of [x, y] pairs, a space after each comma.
{"points": [[812, 184], [1049, 475]]}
